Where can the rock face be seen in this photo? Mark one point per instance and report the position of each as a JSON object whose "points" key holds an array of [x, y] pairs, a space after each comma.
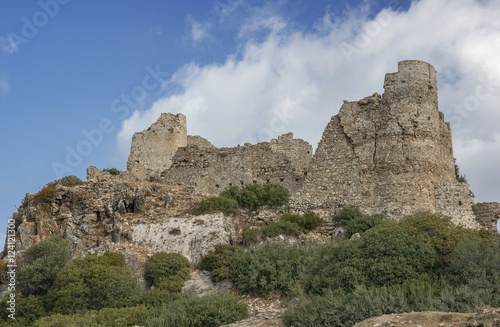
{"points": [[389, 154], [121, 214]]}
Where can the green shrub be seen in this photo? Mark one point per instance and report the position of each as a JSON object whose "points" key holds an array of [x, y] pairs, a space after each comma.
{"points": [[217, 204], [476, 263], [112, 171], [168, 271], [354, 221], [157, 297], [28, 310], [223, 262], [122, 317], [251, 235], [93, 283], [274, 267], [59, 320], [253, 196], [386, 255], [194, 311], [442, 234], [48, 192], [276, 228], [306, 222], [41, 264]]}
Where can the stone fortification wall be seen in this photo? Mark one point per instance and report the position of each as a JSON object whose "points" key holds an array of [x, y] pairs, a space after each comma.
{"points": [[487, 214], [384, 154], [154, 148], [453, 199], [210, 170]]}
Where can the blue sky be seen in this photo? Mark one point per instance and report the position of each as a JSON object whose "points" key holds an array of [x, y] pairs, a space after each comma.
{"points": [[78, 78]]}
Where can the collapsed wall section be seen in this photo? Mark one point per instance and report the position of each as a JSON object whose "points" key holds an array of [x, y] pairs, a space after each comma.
{"points": [[487, 214], [210, 170]]}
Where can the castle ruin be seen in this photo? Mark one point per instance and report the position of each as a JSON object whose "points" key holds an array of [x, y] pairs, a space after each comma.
{"points": [[389, 154]]}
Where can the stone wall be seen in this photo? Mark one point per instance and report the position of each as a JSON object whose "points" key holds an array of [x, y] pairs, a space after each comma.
{"points": [[154, 148], [210, 170], [487, 214], [453, 199]]}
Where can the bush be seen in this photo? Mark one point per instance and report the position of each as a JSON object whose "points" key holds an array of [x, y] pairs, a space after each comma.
{"points": [[223, 262], [307, 222], [276, 228], [93, 283], [193, 311], [354, 221], [442, 234], [112, 171], [251, 235], [28, 310], [253, 196], [122, 317], [48, 192], [217, 204], [59, 320], [167, 271], [156, 297], [42, 262], [274, 267], [386, 255]]}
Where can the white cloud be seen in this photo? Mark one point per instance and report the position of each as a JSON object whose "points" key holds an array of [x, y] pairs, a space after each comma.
{"points": [[198, 31], [8, 44], [4, 85], [292, 80]]}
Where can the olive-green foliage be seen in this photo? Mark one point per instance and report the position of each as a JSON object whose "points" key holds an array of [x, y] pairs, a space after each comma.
{"points": [[108, 317], [476, 263], [223, 262], [251, 235], [217, 204], [386, 255], [274, 267], [93, 283], [157, 297], [112, 171], [276, 228], [354, 221], [442, 234], [47, 193], [337, 308], [28, 310], [460, 177], [42, 262], [306, 222], [254, 196], [168, 271], [194, 311]]}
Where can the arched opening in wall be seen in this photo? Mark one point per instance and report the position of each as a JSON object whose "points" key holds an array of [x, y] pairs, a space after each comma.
{"points": [[242, 183], [305, 173], [282, 179], [201, 154], [267, 181], [297, 179], [230, 184], [254, 181], [217, 185], [459, 203]]}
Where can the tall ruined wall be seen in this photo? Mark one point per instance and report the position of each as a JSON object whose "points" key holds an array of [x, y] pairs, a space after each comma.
{"points": [[487, 214], [154, 148], [384, 154], [210, 170]]}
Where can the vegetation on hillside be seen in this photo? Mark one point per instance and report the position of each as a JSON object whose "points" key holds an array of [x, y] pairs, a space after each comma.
{"points": [[251, 196], [48, 192]]}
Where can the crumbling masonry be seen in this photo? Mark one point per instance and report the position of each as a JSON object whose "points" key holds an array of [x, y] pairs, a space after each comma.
{"points": [[389, 154]]}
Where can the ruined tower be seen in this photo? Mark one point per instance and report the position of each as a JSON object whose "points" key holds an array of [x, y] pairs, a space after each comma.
{"points": [[387, 154]]}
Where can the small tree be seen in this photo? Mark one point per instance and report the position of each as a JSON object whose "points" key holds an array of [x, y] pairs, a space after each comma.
{"points": [[42, 263], [167, 271]]}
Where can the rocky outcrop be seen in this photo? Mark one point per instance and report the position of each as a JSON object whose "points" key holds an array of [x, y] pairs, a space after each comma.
{"points": [[121, 214]]}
